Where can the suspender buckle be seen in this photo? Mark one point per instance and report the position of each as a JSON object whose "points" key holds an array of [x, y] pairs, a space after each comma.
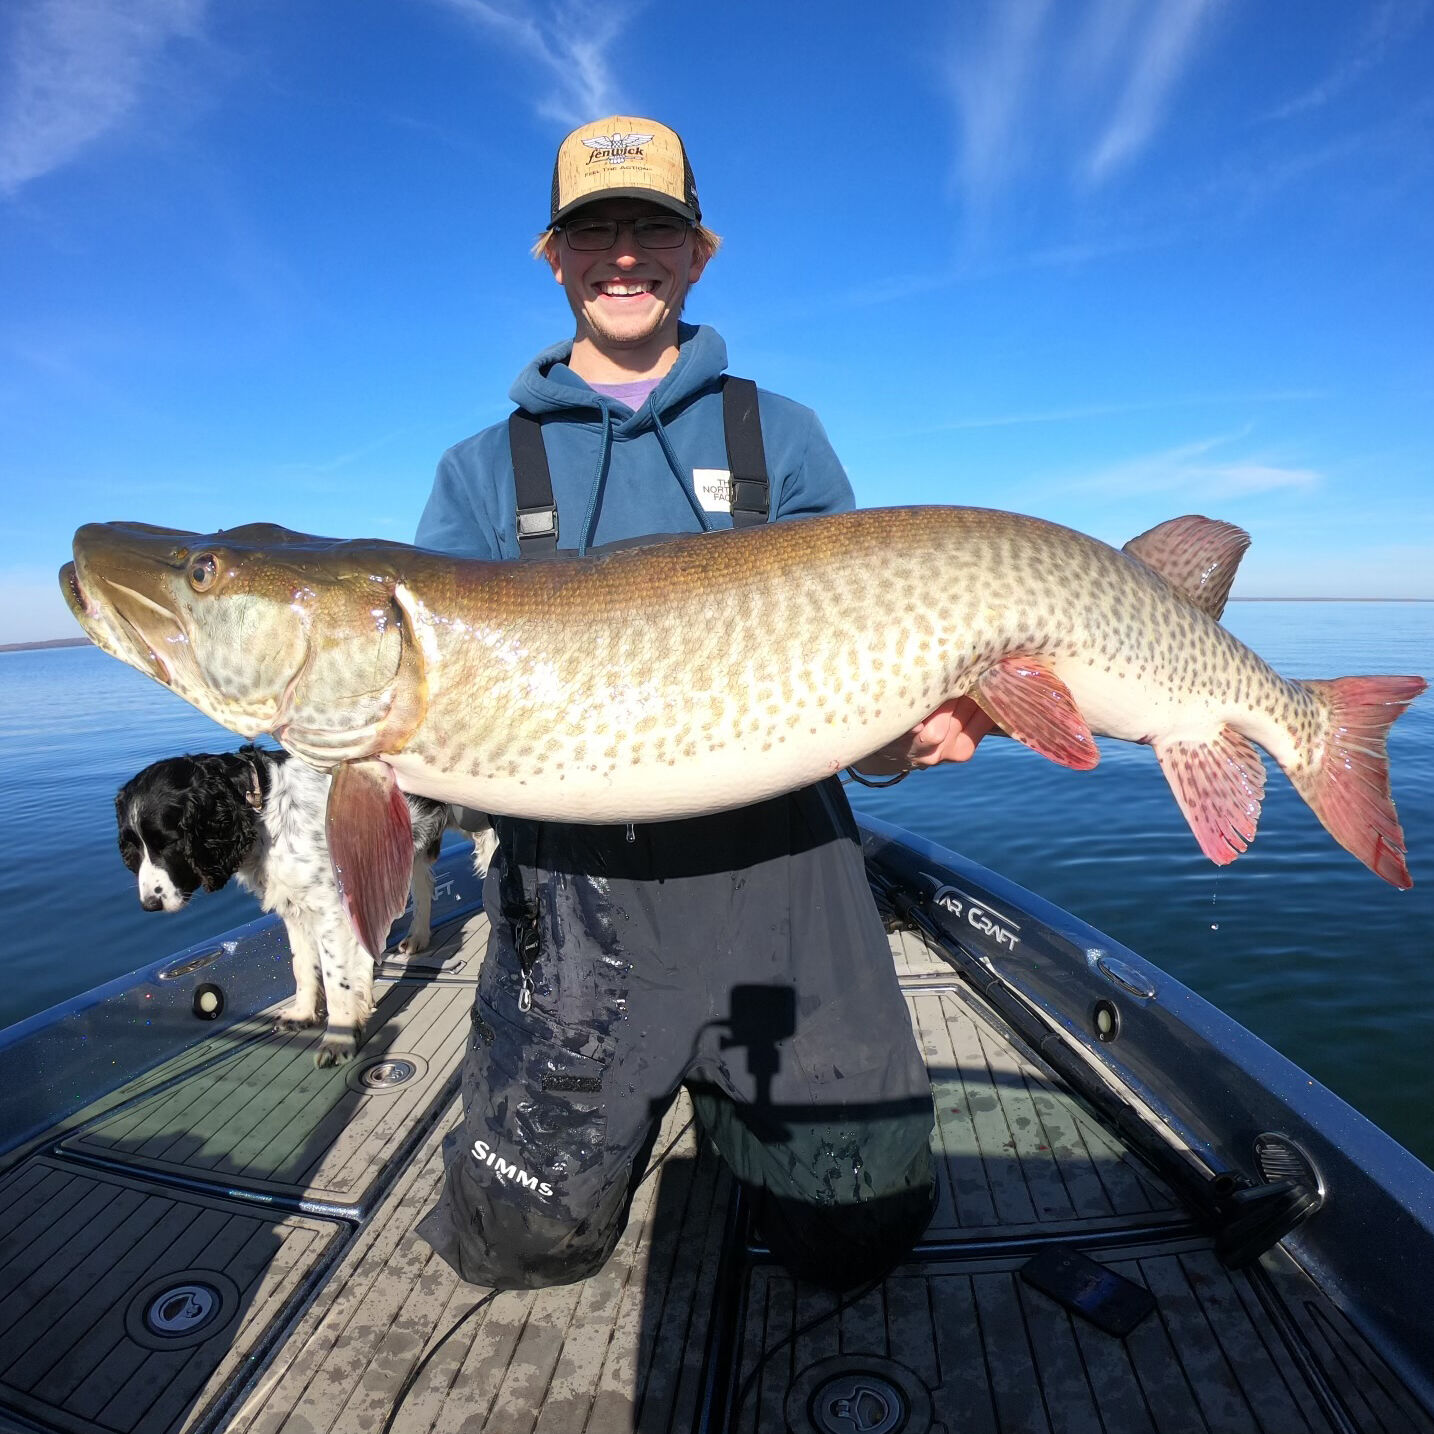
{"points": [[749, 495], [538, 523]]}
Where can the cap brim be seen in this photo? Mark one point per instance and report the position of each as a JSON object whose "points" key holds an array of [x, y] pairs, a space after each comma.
{"points": [[666, 201]]}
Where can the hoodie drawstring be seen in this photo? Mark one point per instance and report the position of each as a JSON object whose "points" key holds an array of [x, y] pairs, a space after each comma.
{"points": [[672, 462], [585, 534]]}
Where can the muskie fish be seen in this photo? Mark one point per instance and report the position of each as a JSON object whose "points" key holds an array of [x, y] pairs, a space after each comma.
{"points": [[713, 671]]}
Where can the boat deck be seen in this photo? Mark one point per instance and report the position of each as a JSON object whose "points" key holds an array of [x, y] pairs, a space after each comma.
{"points": [[227, 1242]]}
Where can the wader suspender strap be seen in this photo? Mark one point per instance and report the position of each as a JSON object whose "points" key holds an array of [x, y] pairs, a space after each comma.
{"points": [[746, 455], [533, 483], [746, 462]]}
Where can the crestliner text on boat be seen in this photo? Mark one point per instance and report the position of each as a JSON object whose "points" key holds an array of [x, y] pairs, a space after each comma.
{"points": [[716, 670]]}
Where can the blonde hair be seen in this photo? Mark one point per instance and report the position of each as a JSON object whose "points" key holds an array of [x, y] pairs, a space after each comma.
{"points": [[708, 243]]}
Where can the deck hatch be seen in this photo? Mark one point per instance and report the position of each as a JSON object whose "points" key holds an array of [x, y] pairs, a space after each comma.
{"points": [[132, 1308], [855, 1394], [181, 1309]]}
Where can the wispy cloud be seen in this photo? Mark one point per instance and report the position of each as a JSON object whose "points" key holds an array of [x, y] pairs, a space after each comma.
{"points": [[1388, 25], [567, 42], [78, 69], [1071, 92], [1080, 411], [1197, 468], [1159, 43], [320, 471]]}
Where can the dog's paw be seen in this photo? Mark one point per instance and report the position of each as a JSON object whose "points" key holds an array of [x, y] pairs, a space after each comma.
{"points": [[292, 1019], [413, 943], [336, 1048]]}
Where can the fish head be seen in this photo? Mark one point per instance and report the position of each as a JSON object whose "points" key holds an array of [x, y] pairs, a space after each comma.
{"points": [[260, 628]]}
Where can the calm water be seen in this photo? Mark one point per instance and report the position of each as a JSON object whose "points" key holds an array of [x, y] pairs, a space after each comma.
{"points": [[1296, 940]]}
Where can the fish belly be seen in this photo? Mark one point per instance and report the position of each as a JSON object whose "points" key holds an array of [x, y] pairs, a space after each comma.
{"points": [[615, 792]]}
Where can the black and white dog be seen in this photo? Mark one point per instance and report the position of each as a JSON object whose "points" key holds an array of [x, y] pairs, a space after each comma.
{"points": [[195, 821]]}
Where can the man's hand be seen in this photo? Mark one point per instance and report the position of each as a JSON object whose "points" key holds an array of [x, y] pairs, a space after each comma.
{"points": [[949, 734]]}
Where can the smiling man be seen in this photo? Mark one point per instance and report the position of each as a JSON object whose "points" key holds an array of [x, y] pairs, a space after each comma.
{"points": [[740, 955]]}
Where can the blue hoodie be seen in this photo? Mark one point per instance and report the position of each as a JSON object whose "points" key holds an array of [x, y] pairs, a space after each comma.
{"points": [[622, 474]]}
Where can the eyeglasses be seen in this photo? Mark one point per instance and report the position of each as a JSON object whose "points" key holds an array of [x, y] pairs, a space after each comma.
{"points": [[652, 231]]}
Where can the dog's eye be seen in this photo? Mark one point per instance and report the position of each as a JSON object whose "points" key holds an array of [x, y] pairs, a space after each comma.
{"points": [[202, 572]]}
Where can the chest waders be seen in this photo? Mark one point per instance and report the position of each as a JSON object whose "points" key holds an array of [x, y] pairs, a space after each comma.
{"points": [[738, 954]]}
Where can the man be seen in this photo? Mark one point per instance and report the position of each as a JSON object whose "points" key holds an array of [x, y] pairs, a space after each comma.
{"points": [[739, 954]]}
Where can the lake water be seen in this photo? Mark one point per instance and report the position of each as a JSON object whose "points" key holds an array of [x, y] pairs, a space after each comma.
{"points": [[1296, 940]]}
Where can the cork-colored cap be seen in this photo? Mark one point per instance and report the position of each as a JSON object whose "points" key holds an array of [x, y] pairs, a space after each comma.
{"points": [[623, 157]]}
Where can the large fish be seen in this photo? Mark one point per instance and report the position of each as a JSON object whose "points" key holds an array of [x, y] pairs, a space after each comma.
{"points": [[713, 671]]}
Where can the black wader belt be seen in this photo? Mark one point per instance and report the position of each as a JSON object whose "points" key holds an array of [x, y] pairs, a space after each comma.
{"points": [[746, 463]]}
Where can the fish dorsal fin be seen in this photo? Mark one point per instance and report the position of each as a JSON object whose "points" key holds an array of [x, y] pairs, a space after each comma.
{"points": [[1197, 555]]}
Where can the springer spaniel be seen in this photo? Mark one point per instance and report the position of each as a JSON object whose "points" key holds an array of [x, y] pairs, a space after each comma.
{"points": [[257, 815]]}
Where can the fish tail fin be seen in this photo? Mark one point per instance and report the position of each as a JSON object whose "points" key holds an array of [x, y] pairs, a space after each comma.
{"points": [[1346, 780], [1219, 786]]}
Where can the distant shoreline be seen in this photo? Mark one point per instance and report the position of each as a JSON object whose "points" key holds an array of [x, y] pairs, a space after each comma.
{"points": [[1329, 599], [39, 646]]}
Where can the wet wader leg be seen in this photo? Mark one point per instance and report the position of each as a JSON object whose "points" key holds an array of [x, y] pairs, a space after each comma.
{"points": [[541, 1174], [839, 1202], [827, 1117]]}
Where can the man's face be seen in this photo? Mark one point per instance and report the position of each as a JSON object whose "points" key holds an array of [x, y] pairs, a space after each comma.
{"points": [[627, 296]]}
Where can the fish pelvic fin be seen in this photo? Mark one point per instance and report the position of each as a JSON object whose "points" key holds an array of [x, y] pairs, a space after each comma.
{"points": [[1199, 556], [1347, 783], [1220, 786], [370, 838], [1025, 698]]}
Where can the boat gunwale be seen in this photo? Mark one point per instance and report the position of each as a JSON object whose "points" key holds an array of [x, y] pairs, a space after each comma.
{"points": [[1229, 1087]]}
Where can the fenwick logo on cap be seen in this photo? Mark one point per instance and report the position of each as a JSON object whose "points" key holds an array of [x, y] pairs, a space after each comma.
{"points": [[624, 156], [616, 148]]}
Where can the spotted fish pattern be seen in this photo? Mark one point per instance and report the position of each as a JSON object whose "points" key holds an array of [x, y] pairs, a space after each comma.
{"points": [[713, 671]]}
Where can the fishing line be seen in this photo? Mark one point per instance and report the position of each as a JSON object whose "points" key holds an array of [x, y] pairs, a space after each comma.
{"points": [[406, 1388], [843, 1302]]}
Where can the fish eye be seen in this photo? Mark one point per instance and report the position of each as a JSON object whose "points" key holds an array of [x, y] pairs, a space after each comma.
{"points": [[202, 572]]}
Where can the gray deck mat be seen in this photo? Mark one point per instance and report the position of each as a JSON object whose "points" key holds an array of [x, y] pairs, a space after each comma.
{"points": [[967, 1346], [622, 1350], [1018, 1152], [85, 1254], [325, 1334], [248, 1109]]}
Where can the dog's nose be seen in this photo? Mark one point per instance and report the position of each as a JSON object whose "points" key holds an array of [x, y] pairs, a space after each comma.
{"points": [[151, 903]]}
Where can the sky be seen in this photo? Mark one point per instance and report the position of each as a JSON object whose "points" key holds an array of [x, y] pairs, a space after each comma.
{"points": [[1102, 261]]}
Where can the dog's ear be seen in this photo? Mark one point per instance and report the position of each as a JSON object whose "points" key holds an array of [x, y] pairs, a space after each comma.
{"points": [[124, 833], [218, 828]]}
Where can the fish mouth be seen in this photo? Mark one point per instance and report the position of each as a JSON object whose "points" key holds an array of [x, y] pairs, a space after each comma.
{"points": [[111, 628], [74, 596]]}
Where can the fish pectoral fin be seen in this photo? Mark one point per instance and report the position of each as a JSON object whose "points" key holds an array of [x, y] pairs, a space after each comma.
{"points": [[1200, 556], [1025, 698], [371, 846], [1219, 786]]}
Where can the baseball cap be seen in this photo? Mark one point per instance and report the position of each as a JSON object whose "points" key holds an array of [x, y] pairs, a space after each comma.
{"points": [[623, 157]]}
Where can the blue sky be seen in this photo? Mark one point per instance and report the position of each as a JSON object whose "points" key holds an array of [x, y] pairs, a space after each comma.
{"points": [[1105, 261]]}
